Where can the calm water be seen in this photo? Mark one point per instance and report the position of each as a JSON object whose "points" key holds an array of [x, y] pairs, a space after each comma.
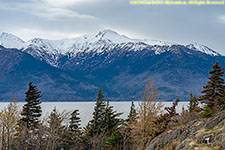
{"points": [[86, 108]]}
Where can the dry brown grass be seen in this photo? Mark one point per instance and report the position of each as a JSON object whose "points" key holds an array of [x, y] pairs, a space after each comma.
{"points": [[187, 116], [172, 146]]}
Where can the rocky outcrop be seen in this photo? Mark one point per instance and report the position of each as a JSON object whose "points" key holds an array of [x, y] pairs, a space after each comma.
{"points": [[200, 134]]}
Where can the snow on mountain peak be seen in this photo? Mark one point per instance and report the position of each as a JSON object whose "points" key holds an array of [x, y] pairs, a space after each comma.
{"points": [[107, 32], [90, 42], [110, 37], [9, 40], [202, 48], [98, 42]]}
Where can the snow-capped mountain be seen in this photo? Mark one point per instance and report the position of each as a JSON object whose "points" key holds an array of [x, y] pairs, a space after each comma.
{"points": [[75, 45], [202, 48], [106, 40], [72, 69], [11, 41]]}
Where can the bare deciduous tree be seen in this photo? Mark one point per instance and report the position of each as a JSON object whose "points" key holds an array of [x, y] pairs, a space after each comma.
{"points": [[8, 121], [147, 126]]}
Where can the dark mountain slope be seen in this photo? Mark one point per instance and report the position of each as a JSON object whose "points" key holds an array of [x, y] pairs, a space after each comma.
{"points": [[176, 72], [18, 68]]}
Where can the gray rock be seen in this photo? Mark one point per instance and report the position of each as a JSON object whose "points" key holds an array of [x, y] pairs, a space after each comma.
{"points": [[165, 139], [183, 145], [223, 140], [211, 123], [210, 131]]}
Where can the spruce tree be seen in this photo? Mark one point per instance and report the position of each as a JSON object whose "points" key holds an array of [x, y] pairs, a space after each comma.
{"points": [[31, 110], [131, 119], [111, 126], [214, 90], [74, 124], [73, 136], [112, 120], [132, 114], [95, 125]]}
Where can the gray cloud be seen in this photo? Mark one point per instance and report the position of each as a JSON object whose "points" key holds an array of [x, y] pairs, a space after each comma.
{"points": [[221, 19], [37, 17]]}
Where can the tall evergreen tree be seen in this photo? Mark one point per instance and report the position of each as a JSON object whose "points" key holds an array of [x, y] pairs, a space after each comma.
{"points": [[132, 114], [31, 110], [111, 126], [74, 123], [73, 135], [126, 130], [214, 90], [112, 120], [95, 125]]}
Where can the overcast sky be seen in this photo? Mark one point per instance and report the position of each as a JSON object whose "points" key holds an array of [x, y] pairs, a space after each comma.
{"points": [[57, 19]]}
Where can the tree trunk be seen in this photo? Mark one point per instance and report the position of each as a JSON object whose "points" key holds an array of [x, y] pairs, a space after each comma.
{"points": [[8, 141], [3, 138]]}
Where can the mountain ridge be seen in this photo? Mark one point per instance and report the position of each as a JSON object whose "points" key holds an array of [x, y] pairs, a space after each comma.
{"points": [[120, 69], [88, 42]]}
